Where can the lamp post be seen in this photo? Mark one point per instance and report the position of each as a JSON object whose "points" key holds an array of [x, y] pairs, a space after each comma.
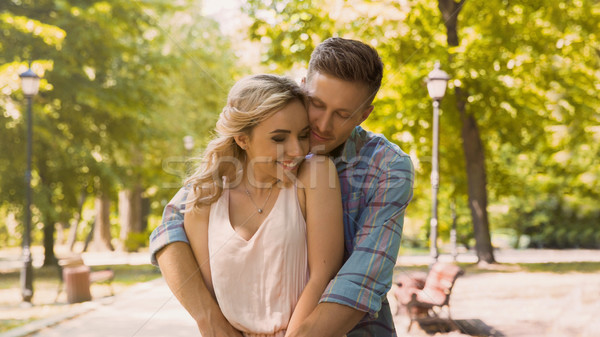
{"points": [[436, 85], [30, 84], [188, 144]]}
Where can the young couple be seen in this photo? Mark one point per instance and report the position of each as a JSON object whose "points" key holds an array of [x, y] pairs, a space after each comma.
{"points": [[253, 245]]}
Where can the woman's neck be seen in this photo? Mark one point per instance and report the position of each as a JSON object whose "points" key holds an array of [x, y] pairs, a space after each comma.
{"points": [[257, 183]]}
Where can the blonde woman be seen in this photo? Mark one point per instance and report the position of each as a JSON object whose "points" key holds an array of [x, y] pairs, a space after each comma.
{"points": [[264, 223]]}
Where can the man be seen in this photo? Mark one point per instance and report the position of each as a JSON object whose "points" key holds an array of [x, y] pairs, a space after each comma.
{"points": [[376, 181]]}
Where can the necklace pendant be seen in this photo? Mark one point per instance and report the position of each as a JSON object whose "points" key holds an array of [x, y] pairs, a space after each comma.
{"points": [[260, 211]]}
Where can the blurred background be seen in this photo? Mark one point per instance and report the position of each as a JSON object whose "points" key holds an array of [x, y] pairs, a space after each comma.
{"points": [[130, 91], [105, 107]]}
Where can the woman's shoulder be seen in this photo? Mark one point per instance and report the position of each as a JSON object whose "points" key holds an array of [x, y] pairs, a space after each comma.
{"points": [[195, 209], [317, 170]]}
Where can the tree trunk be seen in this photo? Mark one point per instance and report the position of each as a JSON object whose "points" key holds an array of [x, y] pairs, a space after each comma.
{"points": [[73, 230], [472, 146], [145, 213], [130, 213], [476, 181], [49, 229], [101, 240], [47, 216], [450, 10]]}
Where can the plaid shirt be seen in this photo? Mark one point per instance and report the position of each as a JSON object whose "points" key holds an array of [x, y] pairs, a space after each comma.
{"points": [[376, 180]]}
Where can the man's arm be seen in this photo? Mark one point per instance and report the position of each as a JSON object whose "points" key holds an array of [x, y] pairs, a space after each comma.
{"points": [[171, 251], [329, 320], [170, 228], [365, 278], [182, 274]]}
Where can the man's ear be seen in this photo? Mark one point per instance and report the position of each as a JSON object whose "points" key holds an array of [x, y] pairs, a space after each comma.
{"points": [[242, 141], [365, 114]]}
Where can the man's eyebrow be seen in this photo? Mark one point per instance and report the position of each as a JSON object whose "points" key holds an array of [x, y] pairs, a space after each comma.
{"points": [[280, 131]]}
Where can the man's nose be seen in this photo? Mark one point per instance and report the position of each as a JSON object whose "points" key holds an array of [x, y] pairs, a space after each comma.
{"points": [[323, 122]]}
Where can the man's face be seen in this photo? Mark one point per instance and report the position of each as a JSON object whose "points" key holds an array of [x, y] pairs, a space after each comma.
{"points": [[335, 108]]}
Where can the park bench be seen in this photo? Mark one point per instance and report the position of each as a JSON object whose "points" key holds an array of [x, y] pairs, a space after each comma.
{"points": [[426, 297], [75, 278]]}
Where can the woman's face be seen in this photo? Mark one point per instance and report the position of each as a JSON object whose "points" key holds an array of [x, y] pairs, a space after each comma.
{"points": [[276, 147]]}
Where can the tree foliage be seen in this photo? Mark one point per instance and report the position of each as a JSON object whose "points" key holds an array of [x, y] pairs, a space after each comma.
{"points": [[529, 73], [122, 83]]}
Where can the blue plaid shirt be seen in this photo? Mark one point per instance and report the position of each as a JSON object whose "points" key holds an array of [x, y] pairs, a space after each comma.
{"points": [[376, 180]]}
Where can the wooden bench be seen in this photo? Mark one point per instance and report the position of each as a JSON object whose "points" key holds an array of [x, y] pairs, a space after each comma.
{"points": [[75, 278], [426, 298]]}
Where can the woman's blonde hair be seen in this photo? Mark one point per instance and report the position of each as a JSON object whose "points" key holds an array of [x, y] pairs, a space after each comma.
{"points": [[251, 100]]}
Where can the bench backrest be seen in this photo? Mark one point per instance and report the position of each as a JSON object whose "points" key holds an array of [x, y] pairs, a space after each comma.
{"points": [[440, 280]]}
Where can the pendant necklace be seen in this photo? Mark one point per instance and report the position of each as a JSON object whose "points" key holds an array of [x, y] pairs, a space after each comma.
{"points": [[258, 209]]}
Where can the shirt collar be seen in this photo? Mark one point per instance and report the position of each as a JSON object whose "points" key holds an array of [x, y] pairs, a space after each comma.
{"points": [[348, 150]]}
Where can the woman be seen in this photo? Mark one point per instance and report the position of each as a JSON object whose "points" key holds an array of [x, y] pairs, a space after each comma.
{"points": [[264, 217]]}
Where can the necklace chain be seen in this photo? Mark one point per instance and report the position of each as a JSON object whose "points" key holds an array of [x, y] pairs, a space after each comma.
{"points": [[258, 209]]}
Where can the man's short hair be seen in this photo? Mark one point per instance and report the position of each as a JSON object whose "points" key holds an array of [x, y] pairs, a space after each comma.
{"points": [[348, 60]]}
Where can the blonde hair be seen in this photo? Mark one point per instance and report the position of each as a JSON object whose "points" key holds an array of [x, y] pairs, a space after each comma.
{"points": [[251, 100]]}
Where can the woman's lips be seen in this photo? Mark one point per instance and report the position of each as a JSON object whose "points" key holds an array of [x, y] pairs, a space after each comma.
{"points": [[290, 165]]}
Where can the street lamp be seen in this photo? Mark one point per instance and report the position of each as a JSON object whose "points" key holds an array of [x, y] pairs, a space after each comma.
{"points": [[30, 84], [436, 85], [188, 144]]}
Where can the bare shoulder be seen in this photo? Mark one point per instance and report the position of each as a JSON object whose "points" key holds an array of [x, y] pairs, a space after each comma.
{"points": [[195, 215], [317, 172]]}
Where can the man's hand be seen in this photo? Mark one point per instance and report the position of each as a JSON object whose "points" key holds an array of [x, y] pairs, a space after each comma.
{"points": [[328, 320], [216, 325], [182, 274]]}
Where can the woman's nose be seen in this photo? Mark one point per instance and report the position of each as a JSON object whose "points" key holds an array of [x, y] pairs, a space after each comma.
{"points": [[294, 149]]}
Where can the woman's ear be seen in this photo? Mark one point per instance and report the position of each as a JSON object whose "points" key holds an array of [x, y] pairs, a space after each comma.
{"points": [[242, 141]]}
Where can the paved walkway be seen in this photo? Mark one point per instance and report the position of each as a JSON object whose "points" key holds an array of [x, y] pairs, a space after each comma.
{"points": [[145, 310], [149, 309]]}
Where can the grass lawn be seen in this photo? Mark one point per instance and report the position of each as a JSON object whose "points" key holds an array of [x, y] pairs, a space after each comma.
{"points": [[555, 267], [561, 268]]}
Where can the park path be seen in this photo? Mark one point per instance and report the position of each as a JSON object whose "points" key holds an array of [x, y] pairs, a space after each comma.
{"points": [[146, 310], [524, 304], [512, 304]]}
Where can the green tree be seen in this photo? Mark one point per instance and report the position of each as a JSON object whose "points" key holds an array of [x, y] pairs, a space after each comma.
{"points": [[519, 70], [123, 82]]}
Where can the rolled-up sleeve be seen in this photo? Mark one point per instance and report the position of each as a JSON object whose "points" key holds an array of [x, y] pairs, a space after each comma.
{"points": [[366, 277], [171, 227]]}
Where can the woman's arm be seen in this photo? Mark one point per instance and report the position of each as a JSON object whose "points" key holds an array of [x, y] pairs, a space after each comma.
{"points": [[198, 287], [325, 232]]}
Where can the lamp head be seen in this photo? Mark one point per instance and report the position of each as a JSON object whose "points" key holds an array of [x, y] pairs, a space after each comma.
{"points": [[436, 82], [30, 83]]}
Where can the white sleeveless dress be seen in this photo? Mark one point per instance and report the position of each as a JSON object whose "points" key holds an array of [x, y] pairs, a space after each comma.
{"points": [[257, 282]]}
